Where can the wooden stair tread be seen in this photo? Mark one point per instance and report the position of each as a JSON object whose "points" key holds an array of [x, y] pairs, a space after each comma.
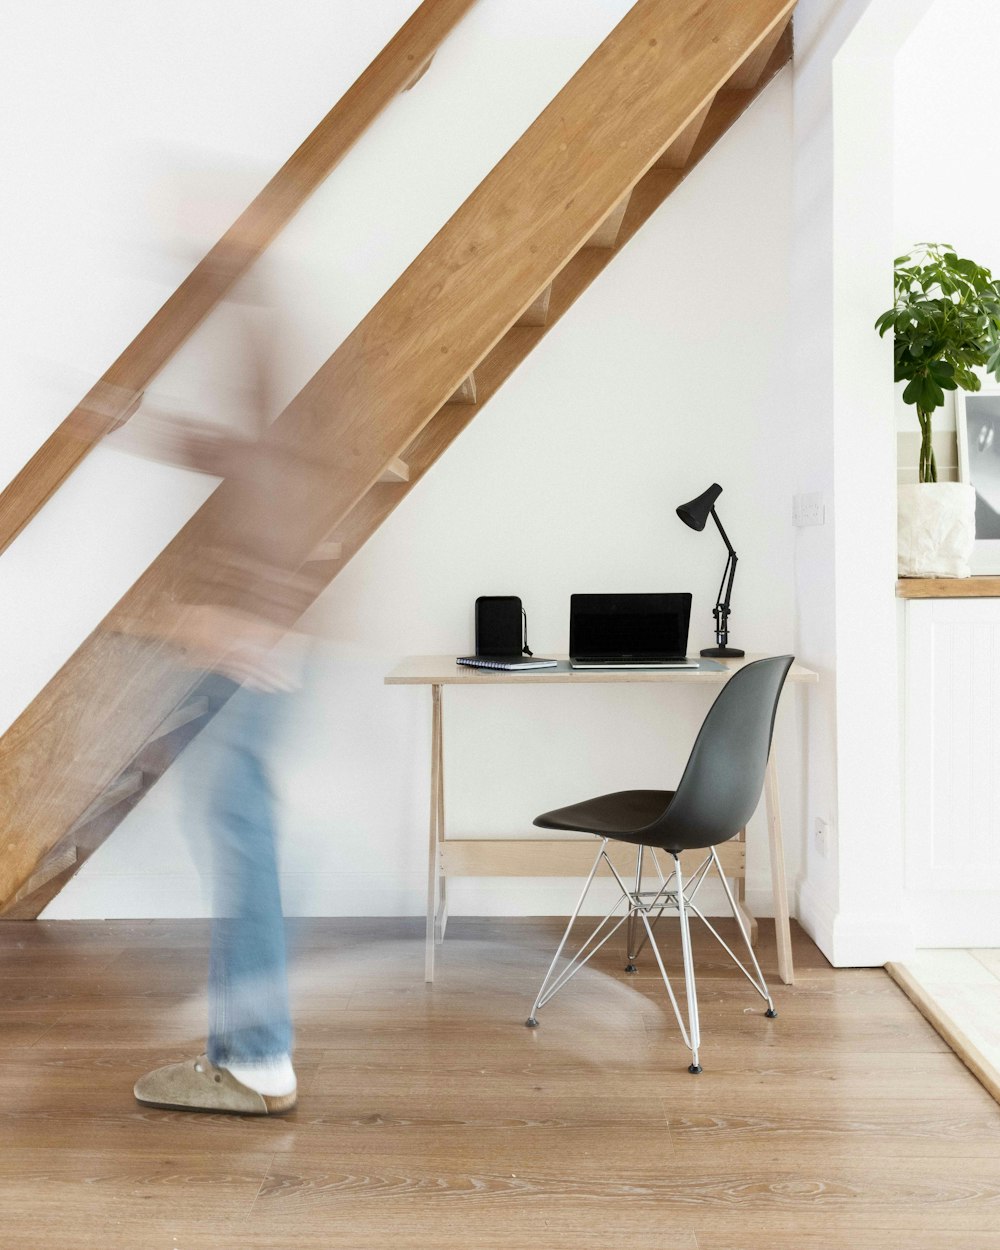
{"points": [[60, 859], [121, 788], [679, 153], [537, 312], [606, 234], [397, 470], [192, 711], [418, 74], [466, 393], [749, 73], [526, 218], [327, 553]]}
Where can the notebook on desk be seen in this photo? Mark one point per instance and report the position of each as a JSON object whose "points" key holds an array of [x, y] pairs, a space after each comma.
{"points": [[507, 662], [630, 631]]}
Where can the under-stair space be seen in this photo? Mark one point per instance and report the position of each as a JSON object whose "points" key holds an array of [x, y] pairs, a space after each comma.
{"points": [[636, 119]]}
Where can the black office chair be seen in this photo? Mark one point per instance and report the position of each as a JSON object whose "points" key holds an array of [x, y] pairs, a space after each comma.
{"points": [[716, 797]]}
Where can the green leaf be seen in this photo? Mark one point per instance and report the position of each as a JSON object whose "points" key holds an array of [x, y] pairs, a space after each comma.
{"points": [[885, 321]]}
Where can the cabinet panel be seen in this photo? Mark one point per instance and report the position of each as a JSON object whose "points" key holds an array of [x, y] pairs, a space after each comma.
{"points": [[951, 714]]}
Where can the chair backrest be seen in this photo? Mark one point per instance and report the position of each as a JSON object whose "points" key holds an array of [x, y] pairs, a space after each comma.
{"points": [[724, 776]]}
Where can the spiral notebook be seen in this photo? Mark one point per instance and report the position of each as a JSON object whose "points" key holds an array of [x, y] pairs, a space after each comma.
{"points": [[504, 661]]}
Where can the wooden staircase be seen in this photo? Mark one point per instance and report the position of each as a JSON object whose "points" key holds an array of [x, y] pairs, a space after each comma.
{"points": [[633, 122]]}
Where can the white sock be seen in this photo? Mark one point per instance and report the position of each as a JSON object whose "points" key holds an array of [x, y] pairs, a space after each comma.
{"points": [[270, 1077]]}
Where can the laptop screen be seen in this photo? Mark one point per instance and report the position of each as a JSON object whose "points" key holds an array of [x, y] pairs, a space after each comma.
{"points": [[629, 627]]}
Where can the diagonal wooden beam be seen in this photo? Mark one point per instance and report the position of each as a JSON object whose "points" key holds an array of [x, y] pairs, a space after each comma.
{"points": [[112, 399]]}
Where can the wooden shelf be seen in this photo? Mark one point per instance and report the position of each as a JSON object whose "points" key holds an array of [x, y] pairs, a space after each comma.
{"points": [[948, 588]]}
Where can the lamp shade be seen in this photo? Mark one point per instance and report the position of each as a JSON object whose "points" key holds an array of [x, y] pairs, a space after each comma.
{"points": [[697, 512]]}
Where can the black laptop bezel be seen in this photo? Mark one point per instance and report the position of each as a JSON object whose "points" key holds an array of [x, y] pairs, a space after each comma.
{"points": [[681, 603]]}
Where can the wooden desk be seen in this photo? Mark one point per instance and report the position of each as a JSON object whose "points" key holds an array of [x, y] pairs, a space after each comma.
{"points": [[567, 857]]}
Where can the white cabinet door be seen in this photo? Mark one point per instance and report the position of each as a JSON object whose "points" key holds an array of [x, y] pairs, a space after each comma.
{"points": [[951, 703]]}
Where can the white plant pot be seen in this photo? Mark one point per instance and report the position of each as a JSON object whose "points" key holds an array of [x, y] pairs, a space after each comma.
{"points": [[937, 529]]}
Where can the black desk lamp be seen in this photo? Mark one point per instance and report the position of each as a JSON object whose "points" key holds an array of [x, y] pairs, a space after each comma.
{"points": [[695, 514]]}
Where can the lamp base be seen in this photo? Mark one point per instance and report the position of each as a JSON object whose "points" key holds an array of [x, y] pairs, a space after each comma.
{"points": [[723, 653]]}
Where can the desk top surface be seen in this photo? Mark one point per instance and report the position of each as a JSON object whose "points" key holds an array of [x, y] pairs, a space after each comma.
{"points": [[442, 670]]}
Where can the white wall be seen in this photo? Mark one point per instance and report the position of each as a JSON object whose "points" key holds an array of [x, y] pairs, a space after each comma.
{"points": [[947, 102], [946, 181], [869, 78], [851, 896], [820, 29], [668, 374]]}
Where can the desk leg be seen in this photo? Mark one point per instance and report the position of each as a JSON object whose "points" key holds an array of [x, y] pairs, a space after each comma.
{"points": [[740, 894], [435, 832], [782, 930], [441, 915]]}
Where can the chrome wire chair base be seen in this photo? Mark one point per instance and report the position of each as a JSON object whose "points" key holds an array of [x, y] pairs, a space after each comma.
{"points": [[639, 909]]}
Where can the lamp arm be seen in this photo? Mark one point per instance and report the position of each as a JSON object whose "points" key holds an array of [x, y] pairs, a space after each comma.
{"points": [[729, 585], [725, 536], [721, 612], [726, 585]]}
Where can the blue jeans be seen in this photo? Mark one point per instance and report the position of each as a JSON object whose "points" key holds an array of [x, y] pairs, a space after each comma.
{"points": [[249, 1013]]}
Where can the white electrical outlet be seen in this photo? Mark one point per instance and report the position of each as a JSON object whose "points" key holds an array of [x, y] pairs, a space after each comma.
{"points": [[808, 509], [821, 836]]}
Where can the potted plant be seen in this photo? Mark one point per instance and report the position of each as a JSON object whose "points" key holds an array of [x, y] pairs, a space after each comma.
{"points": [[946, 324]]}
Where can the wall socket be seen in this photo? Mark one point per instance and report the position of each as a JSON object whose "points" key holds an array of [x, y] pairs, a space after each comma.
{"points": [[821, 836], [808, 509]]}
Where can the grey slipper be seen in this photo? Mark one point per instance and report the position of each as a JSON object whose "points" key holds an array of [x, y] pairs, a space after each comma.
{"points": [[198, 1085]]}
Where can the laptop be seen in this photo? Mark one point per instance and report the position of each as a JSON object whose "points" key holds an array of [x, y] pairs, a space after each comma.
{"points": [[630, 631]]}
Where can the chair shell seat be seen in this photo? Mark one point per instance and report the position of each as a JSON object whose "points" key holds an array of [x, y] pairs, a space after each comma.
{"points": [[624, 815]]}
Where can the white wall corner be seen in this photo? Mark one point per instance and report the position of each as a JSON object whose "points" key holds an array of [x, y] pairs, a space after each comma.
{"points": [[869, 925], [864, 940], [816, 915], [853, 940]]}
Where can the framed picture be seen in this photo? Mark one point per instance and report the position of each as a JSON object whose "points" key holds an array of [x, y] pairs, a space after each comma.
{"points": [[977, 419]]}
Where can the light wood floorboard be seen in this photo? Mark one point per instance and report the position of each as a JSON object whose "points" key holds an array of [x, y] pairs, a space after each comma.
{"points": [[430, 1118]]}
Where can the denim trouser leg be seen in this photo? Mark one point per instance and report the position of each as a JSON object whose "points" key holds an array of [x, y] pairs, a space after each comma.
{"points": [[247, 987]]}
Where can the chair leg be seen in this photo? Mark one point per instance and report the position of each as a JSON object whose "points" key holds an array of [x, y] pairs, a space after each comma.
{"points": [[690, 988], [761, 988], [631, 929], [552, 984]]}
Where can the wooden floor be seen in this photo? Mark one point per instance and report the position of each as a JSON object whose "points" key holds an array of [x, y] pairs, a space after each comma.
{"points": [[431, 1118]]}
